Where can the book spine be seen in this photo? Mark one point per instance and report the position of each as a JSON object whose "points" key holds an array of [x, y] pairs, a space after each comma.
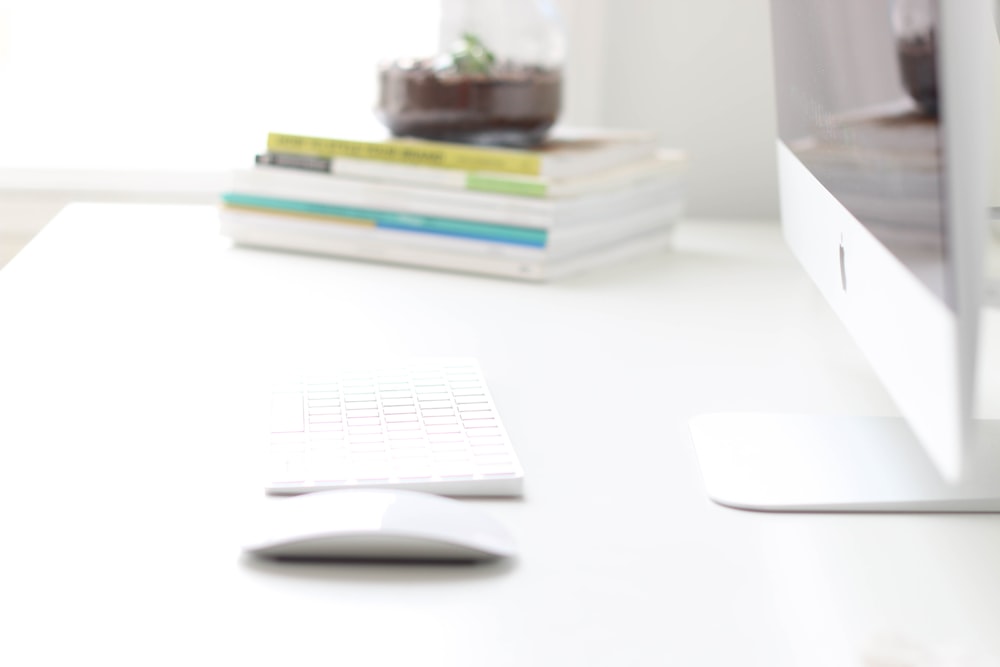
{"points": [[292, 225], [452, 179], [443, 202], [385, 172], [304, 162], [252, 233], [524, 236], [422, 153], [505, 186], [661, 166]]}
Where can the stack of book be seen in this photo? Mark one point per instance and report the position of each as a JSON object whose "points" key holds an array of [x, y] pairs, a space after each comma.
{"points": [[583, 199]]}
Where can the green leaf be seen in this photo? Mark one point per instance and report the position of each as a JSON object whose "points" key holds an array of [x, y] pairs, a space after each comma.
{"points": [[470, 56]]}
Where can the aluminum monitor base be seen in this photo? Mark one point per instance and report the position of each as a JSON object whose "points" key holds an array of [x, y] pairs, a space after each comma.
{"points": [[805, 463]]}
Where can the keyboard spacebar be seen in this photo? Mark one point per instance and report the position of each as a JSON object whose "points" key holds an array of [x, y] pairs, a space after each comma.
{"points": [[286, 413]]}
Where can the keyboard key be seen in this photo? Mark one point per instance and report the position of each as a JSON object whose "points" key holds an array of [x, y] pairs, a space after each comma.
{"points": [[474, 428], [325, 419], [403, 426], [359, 394], [326, 426], [314, 404], [435, 395], [375, 473], [327, 438], [454, 446], [473, 411], [369, 458], [402, 410], [468, 391], [430, 405], [329, 469], [325, 410], [454, 469], [360, 404], [364, 435], [420, 451], [406, 438], [443, 428], [390, 386], [446, 437], [329, 448], [441, 421], [324, 395], [361, 412], [498, 471], [438, 412], [413, 468], [486, 459], [478, 440], [397, 394], [322, 386], [402, 418], [399, 402], [479, 401]]}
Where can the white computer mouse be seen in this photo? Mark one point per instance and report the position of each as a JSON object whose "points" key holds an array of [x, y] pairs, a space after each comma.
{"points": [[377, 524]]}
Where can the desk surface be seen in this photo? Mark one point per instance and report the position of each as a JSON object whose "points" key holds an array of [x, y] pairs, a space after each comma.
{"points": [[135, 350]]}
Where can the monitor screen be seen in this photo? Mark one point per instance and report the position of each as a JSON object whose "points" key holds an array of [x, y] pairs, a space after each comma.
{"points": [[857, 100]]}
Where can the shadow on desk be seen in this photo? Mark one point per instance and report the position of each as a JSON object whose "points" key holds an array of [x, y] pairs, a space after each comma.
{"points": [[379, 572]]}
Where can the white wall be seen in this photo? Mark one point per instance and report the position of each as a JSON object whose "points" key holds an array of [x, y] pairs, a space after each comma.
{"points": [[699, 73], [696, 71]]}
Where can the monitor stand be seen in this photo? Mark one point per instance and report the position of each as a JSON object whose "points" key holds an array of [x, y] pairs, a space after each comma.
{"points": [[807, 463]]}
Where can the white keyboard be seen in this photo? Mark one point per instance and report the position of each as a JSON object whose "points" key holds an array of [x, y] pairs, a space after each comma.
{"points": [[426, 425]]}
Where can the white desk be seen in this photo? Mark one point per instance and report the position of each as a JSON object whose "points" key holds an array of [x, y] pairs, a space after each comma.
{"points": [[135, 347]]}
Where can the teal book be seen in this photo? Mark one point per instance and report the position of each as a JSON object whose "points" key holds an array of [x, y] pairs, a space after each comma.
{"points": [[522, 236]]}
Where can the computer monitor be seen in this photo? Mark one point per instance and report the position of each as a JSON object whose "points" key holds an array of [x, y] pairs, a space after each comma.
{"points": [[883, 139]]}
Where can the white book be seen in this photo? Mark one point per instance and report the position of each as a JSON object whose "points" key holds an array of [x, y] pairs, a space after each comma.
{"points": [[257, 228], [663, 163], [279, 188], [566, 153], [537, 268]]}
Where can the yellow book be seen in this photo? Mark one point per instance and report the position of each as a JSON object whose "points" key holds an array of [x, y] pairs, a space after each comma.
{"points": [[409, 151], [566, 154]]}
